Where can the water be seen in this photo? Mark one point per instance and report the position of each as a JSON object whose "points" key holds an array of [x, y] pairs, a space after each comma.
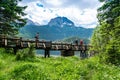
{"points": [[55, 53]]}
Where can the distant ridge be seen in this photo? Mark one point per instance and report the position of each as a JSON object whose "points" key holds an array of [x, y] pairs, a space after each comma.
{"points": [[57, 28]]}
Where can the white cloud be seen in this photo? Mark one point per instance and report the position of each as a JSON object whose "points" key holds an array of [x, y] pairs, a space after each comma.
{"points": [[81, 12], [66, 3], [54, 2]]}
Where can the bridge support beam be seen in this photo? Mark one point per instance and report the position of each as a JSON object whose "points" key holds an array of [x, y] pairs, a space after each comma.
{"points": [[83, 54], [47, 53], [15, 49], [66, 53]]}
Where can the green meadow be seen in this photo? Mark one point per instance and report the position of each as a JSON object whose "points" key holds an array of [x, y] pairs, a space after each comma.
{"points": [[55, 68]]}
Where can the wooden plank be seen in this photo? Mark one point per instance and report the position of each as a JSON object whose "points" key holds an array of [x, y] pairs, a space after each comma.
{"points": [[67, 47], [44, 45], [5, 42], [57, 47], [28, 43]]}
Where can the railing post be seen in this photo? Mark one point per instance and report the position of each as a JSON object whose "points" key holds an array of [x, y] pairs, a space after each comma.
{"points": [[36, 42], [28, 43], [5, 41], [21, 44]]}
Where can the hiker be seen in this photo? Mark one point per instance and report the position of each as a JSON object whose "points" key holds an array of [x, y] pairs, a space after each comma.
{"points": [[81, 45], [81, 42], [37, 36], [81, 48], [76, 42], [37, 39]]}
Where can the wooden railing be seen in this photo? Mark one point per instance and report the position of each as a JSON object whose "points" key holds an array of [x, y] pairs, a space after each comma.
{"points": [[19, 43]]}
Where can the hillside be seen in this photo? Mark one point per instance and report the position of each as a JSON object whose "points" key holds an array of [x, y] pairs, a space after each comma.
{"points": [[55, 68], [72, 39], [58, 28]]}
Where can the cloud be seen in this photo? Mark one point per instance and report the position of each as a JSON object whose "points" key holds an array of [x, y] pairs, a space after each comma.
{"points": [[82, 4], [81, 12], [53, 3]]}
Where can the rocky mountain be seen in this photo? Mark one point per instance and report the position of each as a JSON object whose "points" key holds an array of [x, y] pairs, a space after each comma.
{"points": [[60, 22], [58, 28]]}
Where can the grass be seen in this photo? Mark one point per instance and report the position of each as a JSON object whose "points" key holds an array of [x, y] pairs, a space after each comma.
{"points": [[56, 68]]}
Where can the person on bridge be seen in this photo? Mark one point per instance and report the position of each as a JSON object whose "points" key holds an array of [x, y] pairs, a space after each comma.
{"points": [[37, 39], [76, 42], [37, 36], [81, 42], [81, 49]]}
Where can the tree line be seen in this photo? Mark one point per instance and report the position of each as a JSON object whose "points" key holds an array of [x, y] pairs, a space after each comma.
{"points": [[106, 37]]}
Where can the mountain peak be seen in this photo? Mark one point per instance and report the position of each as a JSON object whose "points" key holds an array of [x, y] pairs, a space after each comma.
{"points": [[60, 22], [30, 22]]}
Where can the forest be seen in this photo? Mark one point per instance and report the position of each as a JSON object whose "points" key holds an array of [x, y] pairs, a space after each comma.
{"points": [[26, 65]]}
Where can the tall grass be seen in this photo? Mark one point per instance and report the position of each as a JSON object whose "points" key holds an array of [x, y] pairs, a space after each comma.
{"points": [[56, 68]]}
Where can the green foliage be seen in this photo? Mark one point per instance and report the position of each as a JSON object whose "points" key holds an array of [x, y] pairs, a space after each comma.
{"points": [[24, 71], [106, 37], [114, 54], [9, 50], [109, 11], [10, 17], [56, 68], [26, 53], [2, 50], [31, 52]]}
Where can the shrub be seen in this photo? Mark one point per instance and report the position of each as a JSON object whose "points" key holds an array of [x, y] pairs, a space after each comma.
{"points": [[25, 53], [31, 52]]}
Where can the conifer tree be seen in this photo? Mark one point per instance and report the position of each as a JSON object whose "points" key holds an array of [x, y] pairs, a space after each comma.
{"points": [[10, 17]]}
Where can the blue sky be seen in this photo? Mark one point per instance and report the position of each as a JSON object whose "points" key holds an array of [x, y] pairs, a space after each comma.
{"points": [[81, 12]]}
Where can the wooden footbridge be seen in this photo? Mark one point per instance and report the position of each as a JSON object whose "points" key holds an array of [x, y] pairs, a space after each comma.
{"points": [[65, 48]]}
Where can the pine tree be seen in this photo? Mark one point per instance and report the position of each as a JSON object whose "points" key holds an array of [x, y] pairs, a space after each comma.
{"points": [[10, 17]]}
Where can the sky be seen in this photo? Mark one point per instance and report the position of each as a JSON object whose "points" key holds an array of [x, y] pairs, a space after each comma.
{"points": [[81, 12]]}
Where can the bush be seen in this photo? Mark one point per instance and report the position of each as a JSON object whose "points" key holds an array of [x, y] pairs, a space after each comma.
{"points": [[113, 54], [2, 50], [31, 52], [25, 53], [24, 72]]}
